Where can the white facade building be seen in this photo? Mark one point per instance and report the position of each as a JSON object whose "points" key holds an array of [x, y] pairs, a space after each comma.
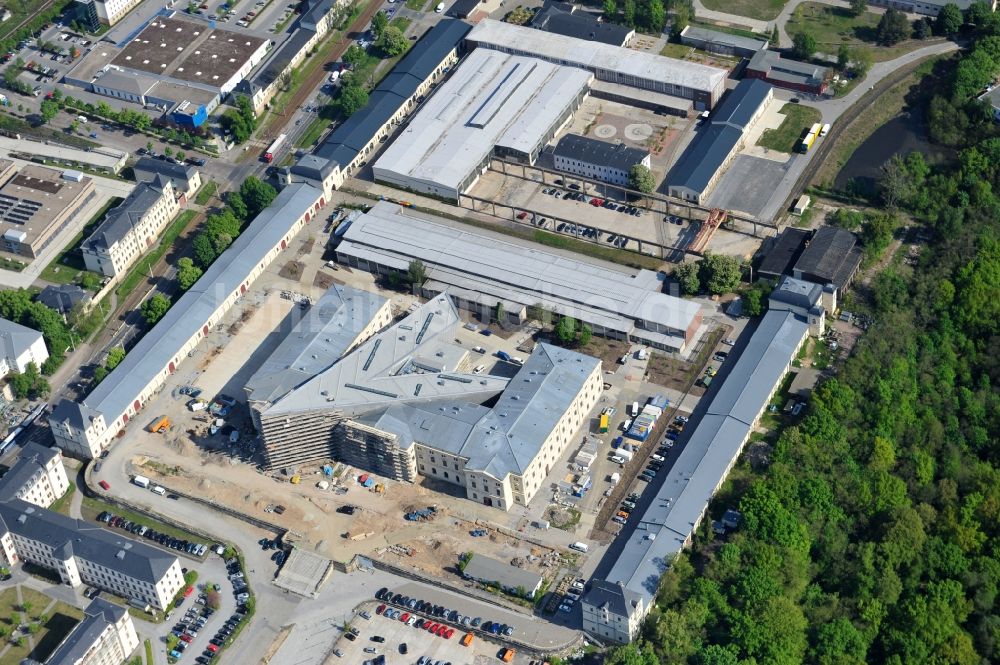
{"points": [[79, 552], [110, 12], [598, 160], [20, 345], [131, 228], [105, 636]]}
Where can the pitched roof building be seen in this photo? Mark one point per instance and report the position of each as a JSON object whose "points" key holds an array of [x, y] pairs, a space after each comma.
{"points": [[571, 21], [63, 297], [106, 635], [20, 345]]}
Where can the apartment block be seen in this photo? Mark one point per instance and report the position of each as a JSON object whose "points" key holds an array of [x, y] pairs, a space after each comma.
{"points": [[131, 228], [105, 636]]}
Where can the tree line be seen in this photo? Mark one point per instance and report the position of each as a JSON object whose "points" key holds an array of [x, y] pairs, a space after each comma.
{"points": [[872, 533]]}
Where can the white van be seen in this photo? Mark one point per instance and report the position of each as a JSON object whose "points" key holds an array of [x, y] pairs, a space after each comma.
{"points": [[439, 8], [158, 490], [580, 547], [635, 409]]}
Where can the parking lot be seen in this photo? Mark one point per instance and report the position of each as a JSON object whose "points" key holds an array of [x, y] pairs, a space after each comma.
{"points": [[437, 629]]}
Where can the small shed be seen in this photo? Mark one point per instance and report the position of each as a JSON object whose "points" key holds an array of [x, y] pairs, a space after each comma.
{"points": [[801, 204]]}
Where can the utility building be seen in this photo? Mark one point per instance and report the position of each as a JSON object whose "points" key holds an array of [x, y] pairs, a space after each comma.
{"points": [[598, 160]]}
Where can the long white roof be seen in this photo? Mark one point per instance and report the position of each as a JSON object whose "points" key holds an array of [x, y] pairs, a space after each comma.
{"points": [[573, 286], [493, 99], [595, 55]]}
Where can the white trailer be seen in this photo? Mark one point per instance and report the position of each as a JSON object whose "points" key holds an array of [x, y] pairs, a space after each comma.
{"points": [[141, 481]]}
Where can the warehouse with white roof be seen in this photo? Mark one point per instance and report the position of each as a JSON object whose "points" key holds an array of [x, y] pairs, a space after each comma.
{"points": [[494, 103], [479, 268], [702, 84]]}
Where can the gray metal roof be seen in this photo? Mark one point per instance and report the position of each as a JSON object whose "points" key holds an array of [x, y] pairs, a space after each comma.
{"points": [[347, 139], [71, 537], [724, 38], [581, 24], [486, 569], [98, 616], [121, 220], [413, 361], [613, 596], [147, 359], [826, 253], [784, 252], [503, 439], [504, 266], [146, 169], [597, 56], [704, 157], [663, 529], [31, 461], [593, 151], [774, 66], [797, 292], [15, 339], [63, 297], [492, 100], [740, 105], [317, 341]]}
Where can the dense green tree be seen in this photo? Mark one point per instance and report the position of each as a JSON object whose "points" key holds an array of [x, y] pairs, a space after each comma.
{"points": [[416, 272], [353, 98], [656, 16], [641, 178], [235, 202], [116, 355], [257, 195], [687, 277], [354, 55], [719, 273], [204, 250], [566, 330], [922, 29], [949, 20], [610, 10], [681, 19], [187, 273], [393, 42], [48, 110], [803, 45], [628, 13], [379, 23], [154, 308], [858, 7], [893, 27], [586, 334], [843, 57], [30, 384]]}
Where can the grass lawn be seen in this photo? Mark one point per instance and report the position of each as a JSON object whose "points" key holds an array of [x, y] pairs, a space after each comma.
{"points": [[416, 5], [68, 265], [787, 136], [61, 619], [61, 505], [764, 10], [679, 51], [833, 26], [313, 131], [206, 192], [92, 507], [401, 22], [140, 270]]}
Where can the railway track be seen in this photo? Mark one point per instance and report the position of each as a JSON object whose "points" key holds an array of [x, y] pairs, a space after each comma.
{"points": [[847, 118]]}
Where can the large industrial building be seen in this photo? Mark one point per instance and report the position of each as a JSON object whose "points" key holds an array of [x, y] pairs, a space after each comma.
{"points": [[87, 427], [406, 403], [355, 140], [479, 268], [567, 19], [340, 320], [493, 104], [131, 228], [183, 66], [702, 163], [828, 256], [614, 607], [702, 84], [80, 553], [36, 202]]}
